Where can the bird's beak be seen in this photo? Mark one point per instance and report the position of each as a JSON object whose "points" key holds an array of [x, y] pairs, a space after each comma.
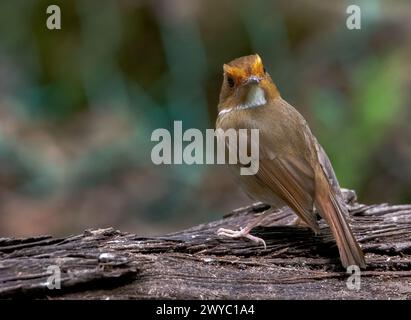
{"points": [[252, 80]]}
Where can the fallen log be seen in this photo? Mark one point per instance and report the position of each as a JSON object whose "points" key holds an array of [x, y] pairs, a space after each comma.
{"points": [[197, 264]]}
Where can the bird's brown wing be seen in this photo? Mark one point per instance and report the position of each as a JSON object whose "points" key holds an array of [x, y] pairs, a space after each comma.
{"points": [[327, 168], [291, 179]]}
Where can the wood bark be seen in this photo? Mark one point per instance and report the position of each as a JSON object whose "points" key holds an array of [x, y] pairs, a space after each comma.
{"points": [[197, 264]]}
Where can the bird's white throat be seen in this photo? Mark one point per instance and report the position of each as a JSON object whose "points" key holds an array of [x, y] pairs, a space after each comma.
{"points": [[255, 98]]}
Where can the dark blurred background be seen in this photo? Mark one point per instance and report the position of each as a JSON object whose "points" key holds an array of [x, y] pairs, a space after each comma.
{"points": [[78, 105]]}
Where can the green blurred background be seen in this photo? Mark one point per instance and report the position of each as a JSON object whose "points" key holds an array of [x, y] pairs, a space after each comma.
{"points": [[78, 105]]}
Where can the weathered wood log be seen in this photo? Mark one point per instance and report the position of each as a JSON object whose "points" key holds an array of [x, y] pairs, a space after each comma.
{"points": [[197, 264]]}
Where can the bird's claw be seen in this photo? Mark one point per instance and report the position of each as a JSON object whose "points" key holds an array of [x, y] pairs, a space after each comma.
{"points": [[240, 234]]}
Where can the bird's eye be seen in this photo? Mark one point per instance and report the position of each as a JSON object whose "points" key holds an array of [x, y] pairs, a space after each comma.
{"points": [[230, 82]]}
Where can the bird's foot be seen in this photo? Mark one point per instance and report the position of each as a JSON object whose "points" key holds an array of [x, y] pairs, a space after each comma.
{"points": [[243, 233]]}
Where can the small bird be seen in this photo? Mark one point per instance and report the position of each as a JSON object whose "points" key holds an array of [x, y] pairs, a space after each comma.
{"points": [[294, 169]]}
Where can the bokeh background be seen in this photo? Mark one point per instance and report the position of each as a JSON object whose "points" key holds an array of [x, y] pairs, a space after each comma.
{"points": [[78, 105]]}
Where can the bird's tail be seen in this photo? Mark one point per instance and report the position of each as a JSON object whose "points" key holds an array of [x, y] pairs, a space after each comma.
{"points": [[333, 211]]}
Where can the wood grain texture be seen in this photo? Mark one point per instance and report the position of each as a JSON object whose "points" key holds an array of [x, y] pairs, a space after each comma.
{"points": [[196, 264]]}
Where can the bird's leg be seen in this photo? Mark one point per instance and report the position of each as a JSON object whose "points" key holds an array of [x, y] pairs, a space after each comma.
{"points": [[245, 232]]}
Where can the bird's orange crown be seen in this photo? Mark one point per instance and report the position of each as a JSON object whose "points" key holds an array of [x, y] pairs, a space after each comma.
{"points": [[245, 67]]}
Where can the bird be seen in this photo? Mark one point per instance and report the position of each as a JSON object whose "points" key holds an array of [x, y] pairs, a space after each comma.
{"points": [[294, 169]]}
